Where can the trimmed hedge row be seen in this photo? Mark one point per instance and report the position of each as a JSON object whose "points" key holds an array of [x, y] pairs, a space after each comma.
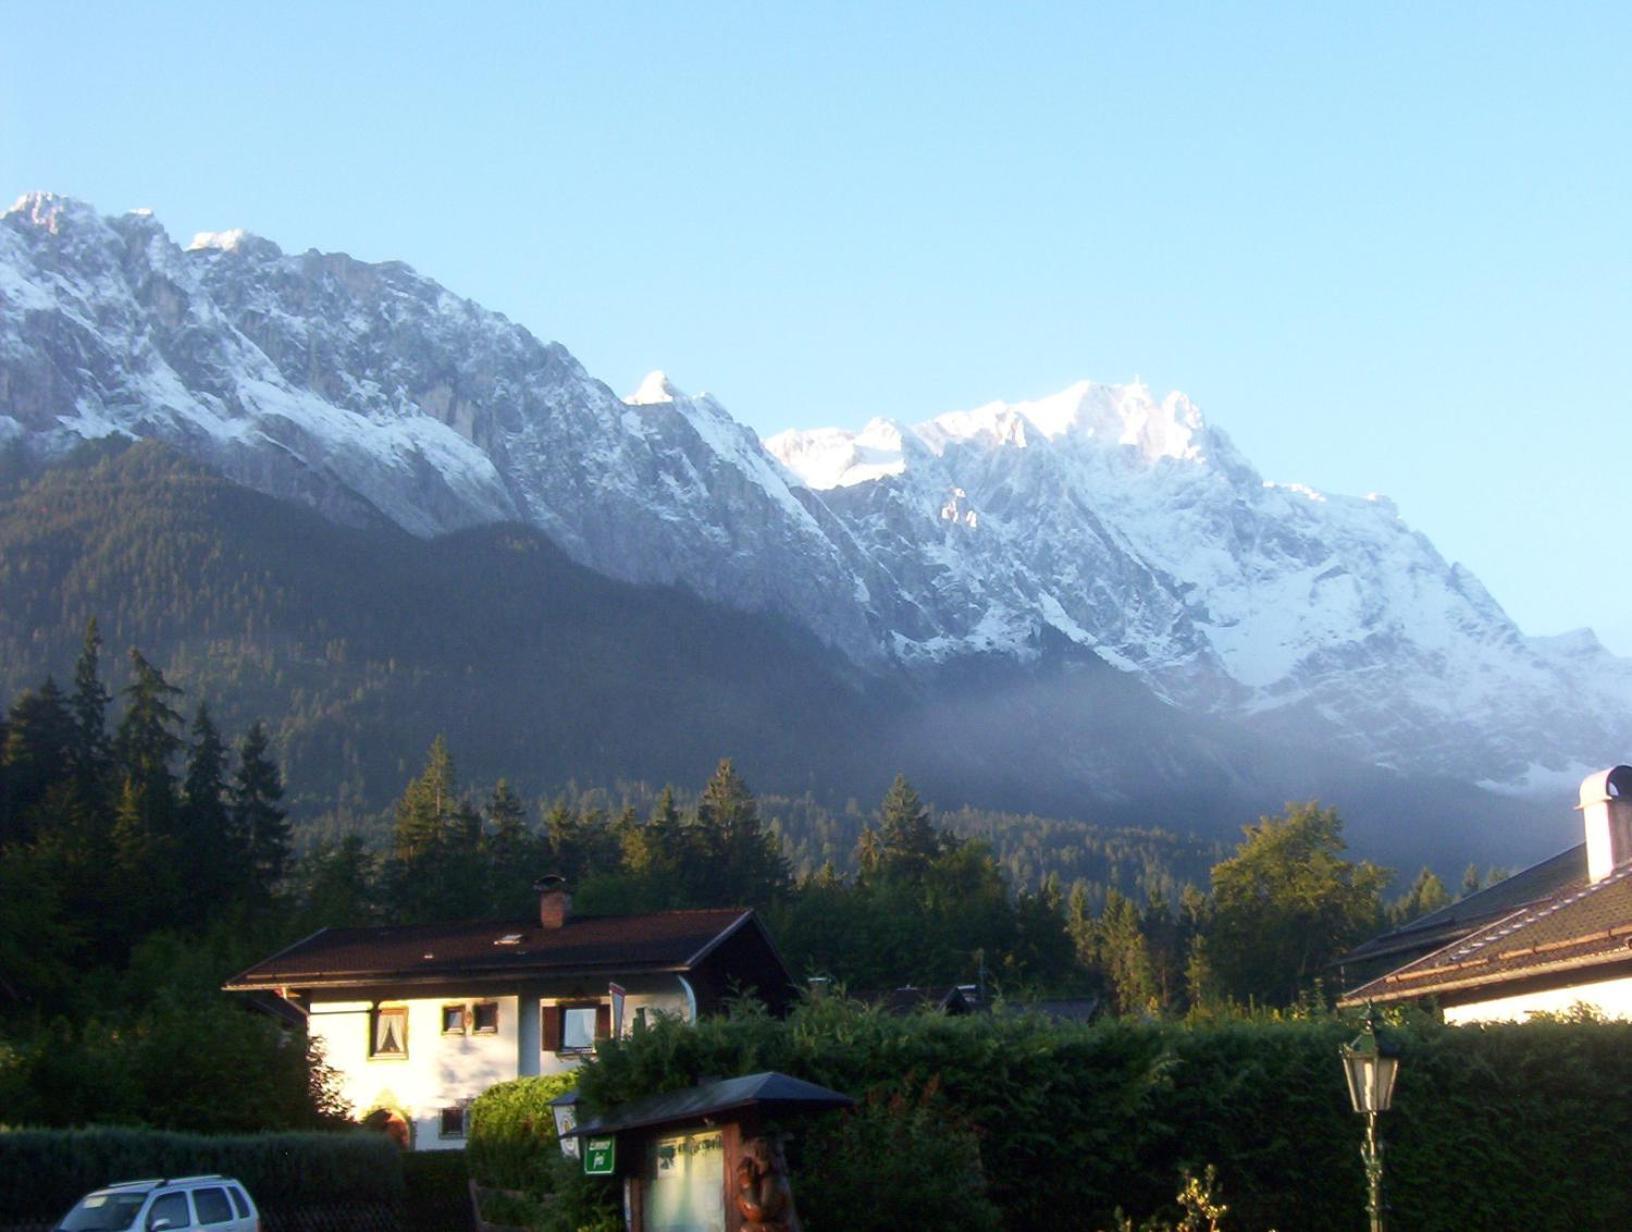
{"points": [[1495, 1127], [45, 1171]]}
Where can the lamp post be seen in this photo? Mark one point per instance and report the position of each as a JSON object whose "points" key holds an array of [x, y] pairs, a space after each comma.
{"points": [[1371, 1065]]}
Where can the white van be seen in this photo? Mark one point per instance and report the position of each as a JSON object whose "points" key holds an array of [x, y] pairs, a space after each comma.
{"points": [[216, 1203]]}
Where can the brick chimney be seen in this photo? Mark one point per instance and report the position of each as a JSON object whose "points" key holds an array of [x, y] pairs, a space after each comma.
{"points": [[555, 900], [1606, 807]]}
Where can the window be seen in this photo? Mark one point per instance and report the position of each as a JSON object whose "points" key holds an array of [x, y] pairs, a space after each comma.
{"points": [[575, 1027], [389, 1033], [453, 1020], [484, 1017], [453, 1122], [239, 1202], [169, 1211], [212, 1205]]}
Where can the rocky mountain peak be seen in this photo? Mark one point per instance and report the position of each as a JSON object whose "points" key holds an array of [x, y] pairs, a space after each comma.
{"points": [[655, 388]]}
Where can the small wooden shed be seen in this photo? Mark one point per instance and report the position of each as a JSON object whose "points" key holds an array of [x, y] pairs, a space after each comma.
{"points": [[703, 1159]]}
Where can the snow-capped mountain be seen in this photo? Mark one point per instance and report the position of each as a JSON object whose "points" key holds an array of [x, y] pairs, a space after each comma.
{"points": [[1102, 515]]}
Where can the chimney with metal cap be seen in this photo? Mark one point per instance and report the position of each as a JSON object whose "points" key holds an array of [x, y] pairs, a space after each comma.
{"points": [[554, 901], [1606, 807]]}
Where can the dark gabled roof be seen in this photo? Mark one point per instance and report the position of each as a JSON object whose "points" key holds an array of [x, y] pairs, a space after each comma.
{"points": [[1456, 920], [771, 1093], [1579, 927], [489, 949]]}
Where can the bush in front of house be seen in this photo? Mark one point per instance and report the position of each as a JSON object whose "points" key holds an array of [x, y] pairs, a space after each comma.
{"points": [[512, 1142], [43, 1172]]}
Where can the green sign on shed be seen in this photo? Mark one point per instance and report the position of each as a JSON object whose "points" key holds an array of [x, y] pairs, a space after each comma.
{"points": [[600, 1156]]}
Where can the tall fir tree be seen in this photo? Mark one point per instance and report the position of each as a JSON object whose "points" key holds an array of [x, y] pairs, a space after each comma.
{"points": [[257, 817], [212, 859], [906, 841], [92, 750], [36, 755], [747, 865], [145, 746]]}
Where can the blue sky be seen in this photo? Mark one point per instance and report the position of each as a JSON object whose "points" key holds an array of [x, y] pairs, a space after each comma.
{"points": [[1386, 248]]}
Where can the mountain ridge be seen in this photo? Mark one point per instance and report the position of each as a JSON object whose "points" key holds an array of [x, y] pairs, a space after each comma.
{"points": [[1123, 523]]}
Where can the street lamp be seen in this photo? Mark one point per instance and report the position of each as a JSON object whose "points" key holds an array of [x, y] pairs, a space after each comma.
{"points": [[564, 1108], [1371, 1065]]}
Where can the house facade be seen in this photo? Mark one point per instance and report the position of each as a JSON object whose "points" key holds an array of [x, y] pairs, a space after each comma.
{"points": [[1562, 938], [417, 1020]]}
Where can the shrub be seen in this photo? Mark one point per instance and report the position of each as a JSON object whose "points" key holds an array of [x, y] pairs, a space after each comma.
{"points": [[512, 1140]]}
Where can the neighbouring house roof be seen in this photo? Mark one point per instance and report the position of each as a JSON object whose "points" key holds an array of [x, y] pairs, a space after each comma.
{"points": [[496, 950], [770, 1093], [1064, 1009], [1579, 933], [1450, 923]]}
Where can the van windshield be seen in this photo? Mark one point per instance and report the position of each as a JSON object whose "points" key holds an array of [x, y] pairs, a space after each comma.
{"points": [[103, 1212]]}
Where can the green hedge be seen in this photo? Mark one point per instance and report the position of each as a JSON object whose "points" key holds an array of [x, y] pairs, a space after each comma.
{"points": [[45, 1171], [1519, 1126], [437, 1189]]}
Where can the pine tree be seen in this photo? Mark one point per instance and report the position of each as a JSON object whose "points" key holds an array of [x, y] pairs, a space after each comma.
{"points": [[257, 817], [437, 868], [905, 842], [147, 739], [1427, 893], [36, 754], [425, 807], [514, 856], [92, 750], [212, 859], [339, 884], [748, 867]]}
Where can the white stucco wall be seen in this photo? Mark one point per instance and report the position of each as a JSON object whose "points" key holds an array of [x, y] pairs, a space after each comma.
{"points": [[1610, 998], [442, 1071]]}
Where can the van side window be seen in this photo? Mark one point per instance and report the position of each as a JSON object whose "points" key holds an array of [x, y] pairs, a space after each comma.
{"points": [[169, 1211], [212, 1205], [238, 1202]]}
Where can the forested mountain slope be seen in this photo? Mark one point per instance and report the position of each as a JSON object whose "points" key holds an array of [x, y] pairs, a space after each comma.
{"points": [[360, 644]]}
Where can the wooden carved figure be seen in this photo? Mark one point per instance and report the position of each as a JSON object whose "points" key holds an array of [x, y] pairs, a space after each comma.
{"points": [[764, 1198]]}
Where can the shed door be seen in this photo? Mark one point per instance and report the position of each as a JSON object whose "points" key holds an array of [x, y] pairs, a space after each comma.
{"points": [[685, 1184]]}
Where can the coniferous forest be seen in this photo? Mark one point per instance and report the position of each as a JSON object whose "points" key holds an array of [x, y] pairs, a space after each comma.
{"points": [[146, 853]]}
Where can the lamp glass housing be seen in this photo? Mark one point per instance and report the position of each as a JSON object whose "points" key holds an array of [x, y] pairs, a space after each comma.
{"points": [[565, 1111], [1371, 1068], [1371, 1081]]}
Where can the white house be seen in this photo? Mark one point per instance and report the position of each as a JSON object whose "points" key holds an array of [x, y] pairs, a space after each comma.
{"points": [[1570, 945], [420, 1019]]}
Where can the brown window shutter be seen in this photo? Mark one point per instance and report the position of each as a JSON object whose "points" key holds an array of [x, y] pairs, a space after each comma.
{"points": [[551, 1018], [603, 1021]]}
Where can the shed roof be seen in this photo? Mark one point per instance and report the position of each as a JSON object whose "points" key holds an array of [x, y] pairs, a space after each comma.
{"points": [[489, 949], [768, 1092]]}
